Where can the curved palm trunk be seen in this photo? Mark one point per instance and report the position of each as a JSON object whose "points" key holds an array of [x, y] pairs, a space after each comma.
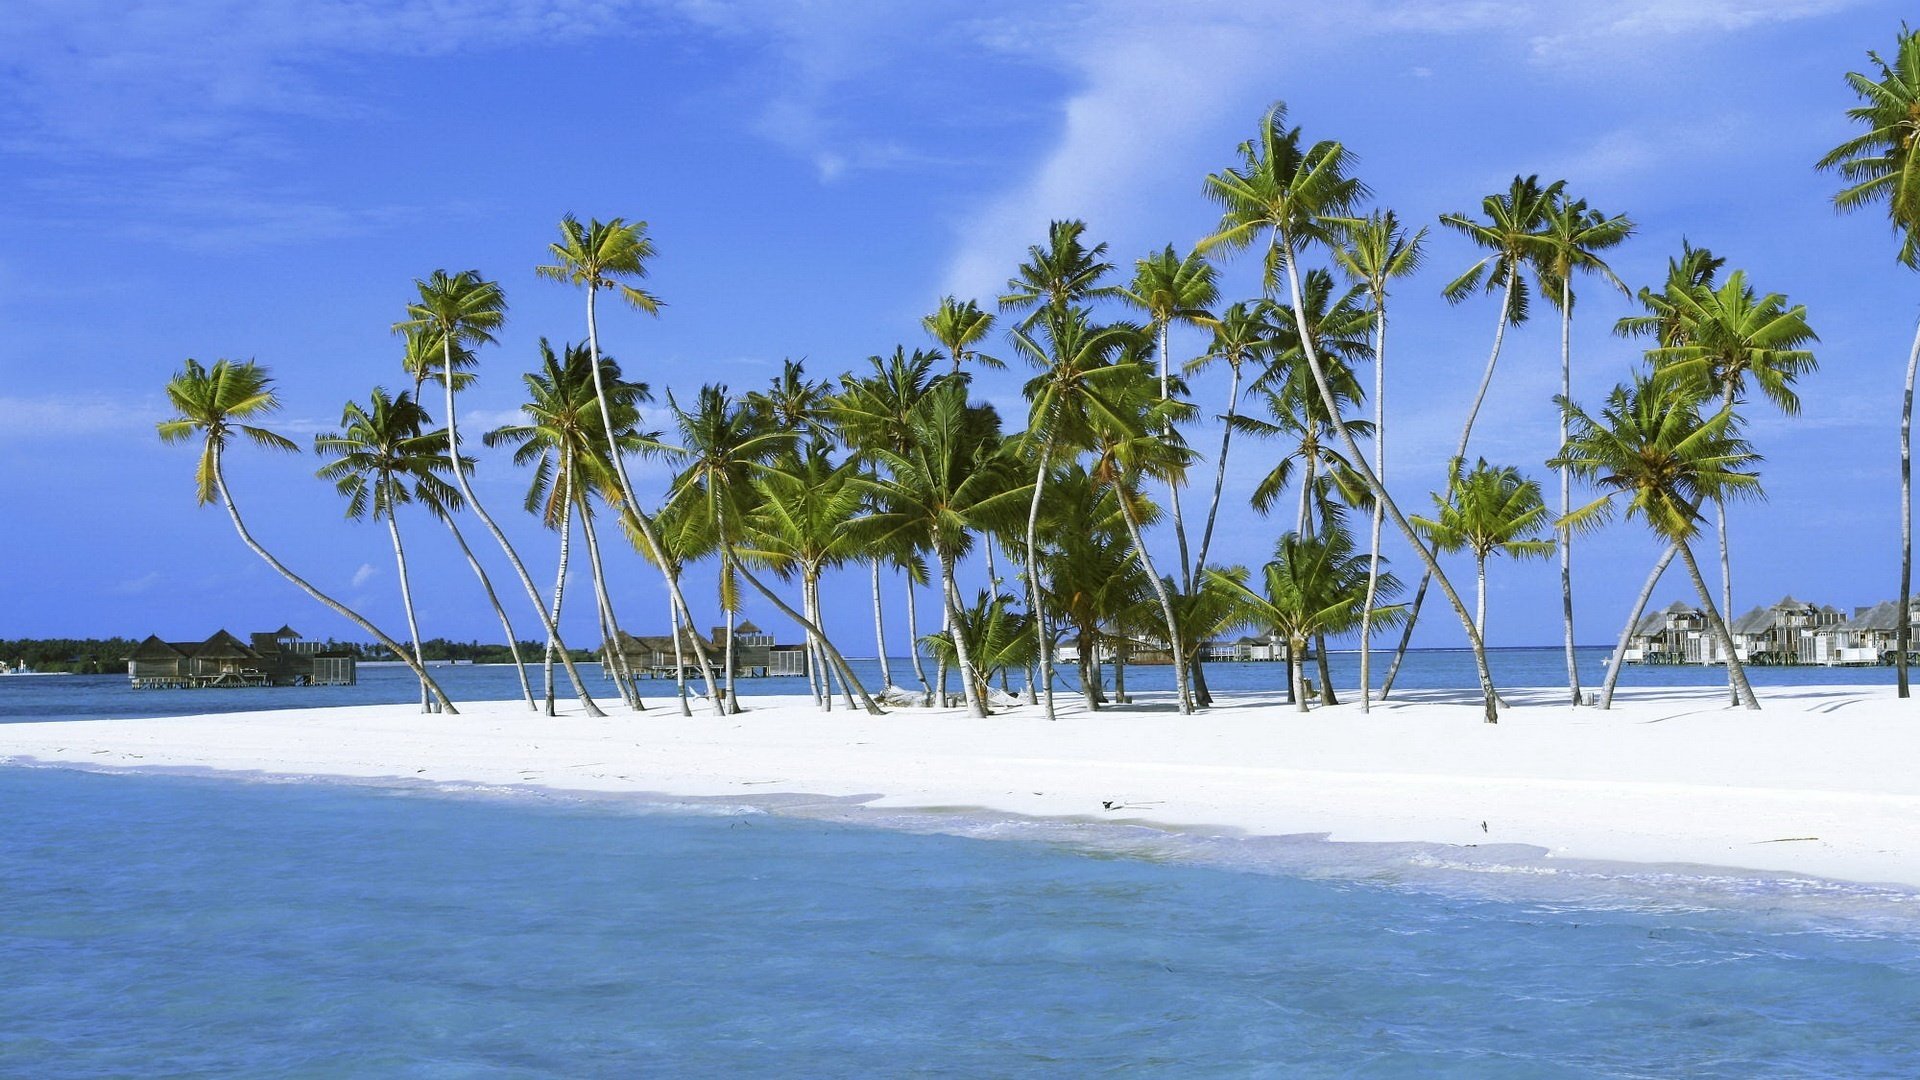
{"points": [[1380, 494], [833, 654], [1736, 672], [810, 607], [559, 578], [949, 593], [913, 641], [506, 624], [679, 658], [1034, 602], [633, 504], [1453, 469], [880, 628], [1566, 487], [1378, 516], [239, 526], [480, 511], [406, 601], [1726, 563], [1633, 619], [1173, 482], [1181, 689], [1903, 632], [616, 653], [1219, 477]]}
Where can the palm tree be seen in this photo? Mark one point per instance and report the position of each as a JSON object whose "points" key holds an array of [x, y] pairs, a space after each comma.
{"points": [[383, 456], [1059, 275], [958, 328], [1299, 197], [216, 403], [1087, 568], [1240, 334], [996, 639], [1731, 335], [1377, 250], [607, 255], [1173, 289], [1314, 586], [951, 477], [802, 503], [1576, 235], [1651, 445], [1074, 392], [1879, 166], [1489, 511], [465, 309]]}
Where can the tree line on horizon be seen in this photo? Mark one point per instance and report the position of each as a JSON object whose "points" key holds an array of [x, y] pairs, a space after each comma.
{"points": [[897, 467]]}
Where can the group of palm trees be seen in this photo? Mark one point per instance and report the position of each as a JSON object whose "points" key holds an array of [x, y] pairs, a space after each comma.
{"points": [[901, 468]]}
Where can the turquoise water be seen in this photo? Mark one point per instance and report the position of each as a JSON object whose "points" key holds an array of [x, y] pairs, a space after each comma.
{"points": [[59, 697], [172, 925]]}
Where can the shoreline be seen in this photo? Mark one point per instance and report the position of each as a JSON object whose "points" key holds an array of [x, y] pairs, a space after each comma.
{"points": [[1819, 783]]}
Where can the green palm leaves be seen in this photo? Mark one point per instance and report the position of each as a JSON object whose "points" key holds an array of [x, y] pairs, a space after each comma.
{"points": [[958, 328], [214, 403], [599, 255], [1879, 164], [1489, 511], [384, 457], [1058, 275], [1514, 233], [1733, 334]]}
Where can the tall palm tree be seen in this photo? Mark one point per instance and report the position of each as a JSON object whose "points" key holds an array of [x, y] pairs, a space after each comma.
{"points": [[216, 403], [959, 328], [1515, 234], [1377, 249], [950, 478], [464, 310], [1088, 569], [1241, 334], [1300, 196], [1731, 336], [1173, 289], [1071, 396], [797, 524], [383, 455], [1576, 235], [1062, 273], [1879, 166], [608, 255], [1489, 511], [1313, 587], [1652, 445]]}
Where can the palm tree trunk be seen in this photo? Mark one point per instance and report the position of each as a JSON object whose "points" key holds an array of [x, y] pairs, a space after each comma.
{"points": [[506, 625], [1453, 469], [615, 654], [679, 658], [786, 609], [1380, 468], [560, 577], [949, 593], [1327, 695], [1183, 693], [880, 628], [1119, 671], [913, 641], [419, 669], [1726, 560], [406, 601], [1566, 487], [1380, 493], [1736, 672], [513, 557], [1480, 595], [1903, 629], [810, 606], [1089, 668], [1219, 476], [1034, 602], [733, 699], [1297, 672], [633, 503], [1633, 619], [1173, 482]]}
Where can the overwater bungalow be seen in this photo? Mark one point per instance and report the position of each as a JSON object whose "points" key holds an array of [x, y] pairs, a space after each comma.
{"points": [[272, 658], [754, 653], [1870, 637]]}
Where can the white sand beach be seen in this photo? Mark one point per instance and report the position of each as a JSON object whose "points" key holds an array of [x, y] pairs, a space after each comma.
{"points": [[1822, 782]]}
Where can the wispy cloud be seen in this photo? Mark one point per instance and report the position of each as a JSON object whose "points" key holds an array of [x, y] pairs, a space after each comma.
{"points": [[365, 574], [40, 418]]}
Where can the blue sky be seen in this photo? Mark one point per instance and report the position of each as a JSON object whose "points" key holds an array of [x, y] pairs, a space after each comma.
{"points": [[265, 179]]}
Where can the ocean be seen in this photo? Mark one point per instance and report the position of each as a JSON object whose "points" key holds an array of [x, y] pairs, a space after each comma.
{"points": [[181, 924]]}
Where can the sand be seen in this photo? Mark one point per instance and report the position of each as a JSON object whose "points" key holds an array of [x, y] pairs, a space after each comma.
{"points": [[1822, 782]]}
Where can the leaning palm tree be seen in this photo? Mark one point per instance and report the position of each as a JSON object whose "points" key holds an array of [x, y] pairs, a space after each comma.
{"points": [[216, 402], [1241, 334], [959, 328], [465, 309], [1062, 273], [1173, 289], [1732, 336], [1515, 234], [607, 255], [1376, 251], [1651, 445], [1489, 511], [1575, 237], [1879, 166], [384, 457], [1080, 373], [1298, 197]]}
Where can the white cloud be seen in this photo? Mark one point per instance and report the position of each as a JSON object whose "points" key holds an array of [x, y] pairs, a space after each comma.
{"points": [[365, 574], [23, 418]]}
